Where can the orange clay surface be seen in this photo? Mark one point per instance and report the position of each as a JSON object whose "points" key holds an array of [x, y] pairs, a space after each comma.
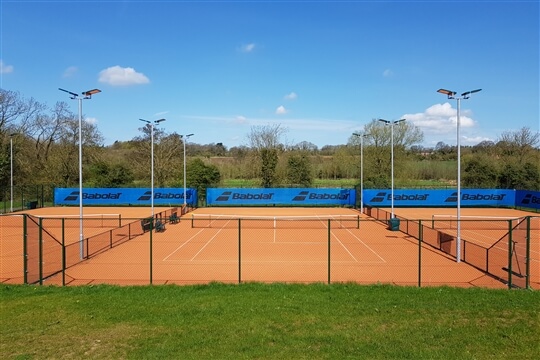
{"points": [[185, 255]]}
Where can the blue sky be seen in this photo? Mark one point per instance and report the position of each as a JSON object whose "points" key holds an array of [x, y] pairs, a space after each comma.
{"points": [[320, 69]]}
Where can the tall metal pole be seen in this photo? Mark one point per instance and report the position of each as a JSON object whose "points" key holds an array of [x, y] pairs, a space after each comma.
{"points": [[465, 95], [392, 165], [392, 160], [185, 202], [362, 173], [184, 140], [81, 231], [361, 136], [458, 229], [87, 95], [152, 168], [152, 125], [11, 171]]}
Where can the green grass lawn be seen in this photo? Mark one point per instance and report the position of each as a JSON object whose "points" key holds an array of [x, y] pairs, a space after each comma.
{"points": [[275, 321]]}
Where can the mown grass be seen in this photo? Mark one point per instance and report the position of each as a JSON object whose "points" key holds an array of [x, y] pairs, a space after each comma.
{"points": [[273, 321]]}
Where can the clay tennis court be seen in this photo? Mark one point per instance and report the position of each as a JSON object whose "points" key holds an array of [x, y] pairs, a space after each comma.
{"points": [[320, 249]]}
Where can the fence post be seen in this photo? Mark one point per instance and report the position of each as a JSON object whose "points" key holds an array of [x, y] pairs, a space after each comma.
{"points": [[528, 255], [63, 253], [25, 249], [510, 253], [151, 233], [40, 261], [329, 232], [420, 235], [239, 251]]}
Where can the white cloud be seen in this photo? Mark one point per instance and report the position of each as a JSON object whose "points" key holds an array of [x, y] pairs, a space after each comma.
{"points": [[291, 96], [241, 119], [5, 69], [388, 73], [119, 76], [70, 71], [247, 48], [439, 123], [91, 120], [281, 110]]}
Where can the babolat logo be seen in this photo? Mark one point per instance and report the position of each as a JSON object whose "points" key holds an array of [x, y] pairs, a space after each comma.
{"points": [[452, 198], [98, 196], [301, 196], [472, 197], [413, 197], [327, 196], [159, 195], [379, 197], [72, 196], [146, 196], [530, 199], [226, 195]]}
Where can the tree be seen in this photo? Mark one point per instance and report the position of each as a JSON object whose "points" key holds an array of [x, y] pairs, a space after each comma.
{"points": [[480, 172], [299, 169], [201, 176], [265, 140]]}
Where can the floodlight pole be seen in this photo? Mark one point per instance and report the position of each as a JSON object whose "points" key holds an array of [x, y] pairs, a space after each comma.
{"points": [[392, 159], [184, 140], [452, 95], [361, 136], [152, 124], [86, 95]]}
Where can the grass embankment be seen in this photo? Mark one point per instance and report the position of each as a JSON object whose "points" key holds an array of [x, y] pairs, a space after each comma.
{"points": [[276, 321]]}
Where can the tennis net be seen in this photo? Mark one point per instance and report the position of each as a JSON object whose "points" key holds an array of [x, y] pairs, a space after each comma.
{"points": [[89, 220], [474, 222], [348, 221]]}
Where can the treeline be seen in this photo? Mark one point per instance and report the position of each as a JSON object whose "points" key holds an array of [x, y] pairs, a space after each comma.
{"points": [[40, 145]]}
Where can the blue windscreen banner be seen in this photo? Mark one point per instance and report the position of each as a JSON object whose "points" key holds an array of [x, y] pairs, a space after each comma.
{"points": [[125, 196], [280, 196], [528, 199], [440, 198]]}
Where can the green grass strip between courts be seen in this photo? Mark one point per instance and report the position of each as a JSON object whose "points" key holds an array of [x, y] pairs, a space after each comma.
{"points": [[275, 321]]}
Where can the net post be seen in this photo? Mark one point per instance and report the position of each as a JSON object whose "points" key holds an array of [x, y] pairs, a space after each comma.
{"points": [[192, 225], [358, 221]]}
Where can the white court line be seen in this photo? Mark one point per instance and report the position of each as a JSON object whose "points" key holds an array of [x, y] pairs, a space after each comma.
{"points": [[356, 237], [191, 238]]}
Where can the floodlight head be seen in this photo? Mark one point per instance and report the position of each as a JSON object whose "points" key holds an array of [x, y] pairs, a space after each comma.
{"points": [[188, 135], [146, 121], [398, 121], [467, 93], [357, 134], [89, 93], [13, 134], [384, 121], [158, 121], [449, 93], [73, 95]]}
